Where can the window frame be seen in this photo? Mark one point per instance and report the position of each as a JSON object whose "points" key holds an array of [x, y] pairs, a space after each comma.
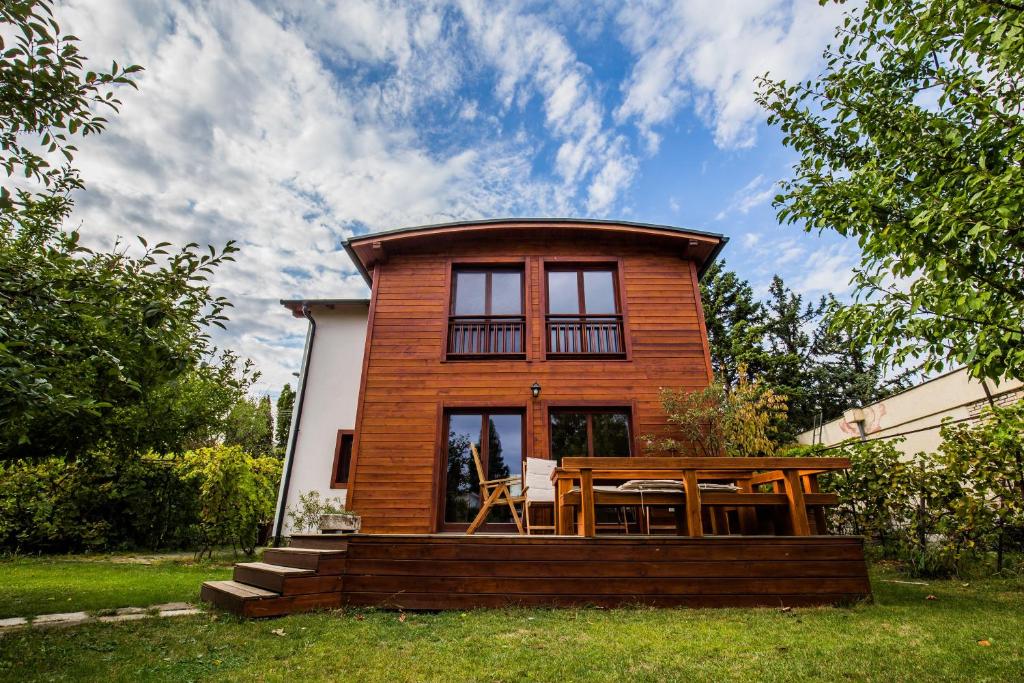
{"points": [[488, 267], [581, 265], [589, 410], [485, 411], [338, 448]]}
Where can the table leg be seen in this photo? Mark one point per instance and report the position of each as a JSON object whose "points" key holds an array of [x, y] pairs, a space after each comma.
{"points": [[747, 514], [797, 507], [586, 504], [564, 514], [693, 522]]}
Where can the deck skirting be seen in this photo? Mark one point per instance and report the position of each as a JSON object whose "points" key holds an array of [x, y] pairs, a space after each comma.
{"points": [[459, 572]]}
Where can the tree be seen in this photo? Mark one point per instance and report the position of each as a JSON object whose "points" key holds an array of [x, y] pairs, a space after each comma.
{"points": [[788, 326], [911, 142], [792, 347], [285, 406], [250, 425], [735, 324], [87, 338], [715, 422]]}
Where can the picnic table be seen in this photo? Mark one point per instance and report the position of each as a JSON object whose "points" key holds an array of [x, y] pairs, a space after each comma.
{"points": [[793, 483]]}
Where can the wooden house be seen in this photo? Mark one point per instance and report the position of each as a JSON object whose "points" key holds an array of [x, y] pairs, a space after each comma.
{"points": [[532, 338]]}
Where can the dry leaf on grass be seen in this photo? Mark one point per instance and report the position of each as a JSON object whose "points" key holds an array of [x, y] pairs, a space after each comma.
{"points": [[930, 597], [278, 631], [984, 643]]}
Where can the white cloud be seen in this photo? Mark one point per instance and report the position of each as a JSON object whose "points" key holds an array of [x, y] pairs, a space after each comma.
{"points": [[826, 269], [756, 192], [533, 58], [241, 131], [751, 240], [706, 54]]}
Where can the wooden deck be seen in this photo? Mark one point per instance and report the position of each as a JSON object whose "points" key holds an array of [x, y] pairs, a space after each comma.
{"points": [[436, 572]]}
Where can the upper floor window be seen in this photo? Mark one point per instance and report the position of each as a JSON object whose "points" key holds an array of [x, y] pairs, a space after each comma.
{"points": [[584, 317], [486, 316]]}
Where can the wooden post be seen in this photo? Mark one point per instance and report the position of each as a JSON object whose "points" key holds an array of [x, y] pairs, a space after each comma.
{"points": [[586, 503], [797, 507], [747, 514], [820, 523], [694, 526], [563, 513]]}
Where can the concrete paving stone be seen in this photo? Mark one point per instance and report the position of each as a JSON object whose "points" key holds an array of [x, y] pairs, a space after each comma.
{"points": [[171, 606], [62, 619], [130, 610], [114, 618], [180, 612], [13, 622]]}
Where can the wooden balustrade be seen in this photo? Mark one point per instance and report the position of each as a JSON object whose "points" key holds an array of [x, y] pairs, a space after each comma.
{"points": [[495, 335], [585, 335]]}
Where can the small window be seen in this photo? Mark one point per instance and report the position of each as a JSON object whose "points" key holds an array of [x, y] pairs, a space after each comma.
{"points": [[342, 458]]}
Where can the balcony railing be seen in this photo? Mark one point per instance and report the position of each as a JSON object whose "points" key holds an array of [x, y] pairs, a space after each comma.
{"points": [[495, 335], [585, 335]]}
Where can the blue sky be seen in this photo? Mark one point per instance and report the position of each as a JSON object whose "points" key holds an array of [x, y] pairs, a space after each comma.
{"points": [[290, 126]]}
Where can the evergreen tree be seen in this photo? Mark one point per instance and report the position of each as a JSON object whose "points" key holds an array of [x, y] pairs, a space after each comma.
{"points": [[735, 324], [285, 405]]}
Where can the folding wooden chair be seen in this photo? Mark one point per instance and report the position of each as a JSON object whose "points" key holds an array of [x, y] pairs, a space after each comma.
{"points": [[494, 491]]}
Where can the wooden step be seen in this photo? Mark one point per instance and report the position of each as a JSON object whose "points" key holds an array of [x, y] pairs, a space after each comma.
{"points": [[250, 601], [319, 541], [285, 580], [323, 562]]}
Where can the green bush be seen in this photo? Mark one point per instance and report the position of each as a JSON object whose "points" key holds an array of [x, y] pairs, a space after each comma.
{"points": [[204, 498], [98, 502], [941, 513], [236, 495]]}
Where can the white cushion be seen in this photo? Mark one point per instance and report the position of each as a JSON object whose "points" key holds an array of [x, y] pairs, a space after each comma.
{"points": [[651, 485]]}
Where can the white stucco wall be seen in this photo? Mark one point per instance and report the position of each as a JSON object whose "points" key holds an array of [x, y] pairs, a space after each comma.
{"points": [[954, 395], [332, 391]]}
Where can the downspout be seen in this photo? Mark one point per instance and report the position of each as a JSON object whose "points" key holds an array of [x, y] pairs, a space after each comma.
{"points": [[293, 436]]}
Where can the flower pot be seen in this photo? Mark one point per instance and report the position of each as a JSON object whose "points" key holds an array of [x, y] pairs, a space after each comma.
{"points": [[339, 523]]}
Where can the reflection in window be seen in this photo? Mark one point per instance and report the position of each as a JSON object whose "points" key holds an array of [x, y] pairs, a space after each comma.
{"points": [[589, 433], [499, 441]]}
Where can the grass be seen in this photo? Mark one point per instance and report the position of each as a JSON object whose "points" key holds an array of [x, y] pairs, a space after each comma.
{"points": [[44, 585], [902, 636]]}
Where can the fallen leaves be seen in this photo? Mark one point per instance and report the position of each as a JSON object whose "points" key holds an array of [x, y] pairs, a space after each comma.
{"points": [[930, 597], [984, 643], [278, 632]]}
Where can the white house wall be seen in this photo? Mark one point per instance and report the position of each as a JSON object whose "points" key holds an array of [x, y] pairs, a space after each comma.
{"points": [[332, 391], [954, 395]]}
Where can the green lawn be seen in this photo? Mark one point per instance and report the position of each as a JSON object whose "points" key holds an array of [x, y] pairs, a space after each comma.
{"points": [[902, 636], [34, 585]]}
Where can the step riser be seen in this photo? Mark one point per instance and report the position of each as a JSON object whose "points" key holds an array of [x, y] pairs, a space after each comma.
{"points": [[299, 585], [271, 607], [319, 542], [225, 601], [333, 564]]}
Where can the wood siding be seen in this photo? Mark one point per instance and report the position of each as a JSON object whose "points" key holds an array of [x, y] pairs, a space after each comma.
{"points": [[407, 382]]}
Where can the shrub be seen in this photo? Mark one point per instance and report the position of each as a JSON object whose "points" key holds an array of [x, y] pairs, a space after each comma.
{"points": [[97, 502], [236, 493], [941, 513], [716, 421]]}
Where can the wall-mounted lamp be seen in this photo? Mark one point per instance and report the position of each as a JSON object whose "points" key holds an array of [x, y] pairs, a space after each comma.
{"points": [[535, 388]]}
